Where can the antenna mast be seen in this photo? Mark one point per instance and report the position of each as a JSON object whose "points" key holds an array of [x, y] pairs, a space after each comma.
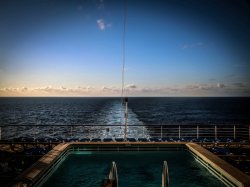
{"points": [[124, 100]]}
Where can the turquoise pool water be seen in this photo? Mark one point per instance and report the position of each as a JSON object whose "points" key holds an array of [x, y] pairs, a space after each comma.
{"points": [[135, 169]]}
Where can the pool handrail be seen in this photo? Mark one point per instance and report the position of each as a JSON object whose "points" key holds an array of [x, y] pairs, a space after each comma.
{"points": [[165, 175], [113, 175]]}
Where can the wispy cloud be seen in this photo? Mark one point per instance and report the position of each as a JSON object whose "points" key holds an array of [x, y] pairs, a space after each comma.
{"points": [[193, 45], [130, 86], [102, 25], [211, 86], [220, 85], [206, 89], [239, 84], [24, 89], [112, 90]]}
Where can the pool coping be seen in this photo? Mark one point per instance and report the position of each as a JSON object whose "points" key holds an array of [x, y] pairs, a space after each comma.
{"points": [[33, 174], [233, 174]]}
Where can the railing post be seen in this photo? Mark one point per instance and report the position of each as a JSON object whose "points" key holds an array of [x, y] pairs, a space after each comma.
{"points": [[143, 133], [166, 131], [71, 133], [234, 132], [215, 132], [197, 134], [15, 132], [34, 133], [161, 131], [0, 133], [179, 131], [126, 118], [249, 132]]}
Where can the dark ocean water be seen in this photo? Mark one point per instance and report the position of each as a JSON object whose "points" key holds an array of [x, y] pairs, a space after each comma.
{"points": [[79, 111], [42, 117], [192, 110]]}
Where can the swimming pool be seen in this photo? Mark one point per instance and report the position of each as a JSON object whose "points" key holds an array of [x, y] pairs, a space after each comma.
{"points": [[138, 164], [135, 169]]}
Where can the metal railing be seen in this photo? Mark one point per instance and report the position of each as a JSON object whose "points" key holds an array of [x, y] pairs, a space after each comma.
{"points": [[162, 132], [201, 131]]}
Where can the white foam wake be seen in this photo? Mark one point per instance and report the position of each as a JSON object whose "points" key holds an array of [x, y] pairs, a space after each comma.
{"points": [[114, 115]]}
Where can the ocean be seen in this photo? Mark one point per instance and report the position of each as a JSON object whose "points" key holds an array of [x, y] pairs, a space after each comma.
{"points": [[102, 111], [109, 111]]}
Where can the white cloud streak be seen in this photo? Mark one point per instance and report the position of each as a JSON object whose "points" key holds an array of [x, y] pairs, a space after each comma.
{"points": [[102, 25], [220, 85], [193, 45], [131, 86]]}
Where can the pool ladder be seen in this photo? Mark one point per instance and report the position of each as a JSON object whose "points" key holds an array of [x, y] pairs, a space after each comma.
{"points": [[165, 175], [112, 180]]}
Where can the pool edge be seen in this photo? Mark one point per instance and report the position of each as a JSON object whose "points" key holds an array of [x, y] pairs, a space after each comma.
{"points": [[220, 166]]}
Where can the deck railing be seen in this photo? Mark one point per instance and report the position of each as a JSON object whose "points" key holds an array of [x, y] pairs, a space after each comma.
{"points": [[139, 132], [163, 132]]}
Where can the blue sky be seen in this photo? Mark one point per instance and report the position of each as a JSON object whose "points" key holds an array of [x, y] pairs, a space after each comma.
{"points": [[173, 48]]}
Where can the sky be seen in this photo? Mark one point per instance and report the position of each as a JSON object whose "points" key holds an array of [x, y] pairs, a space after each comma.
{"points": [[172, 48]]}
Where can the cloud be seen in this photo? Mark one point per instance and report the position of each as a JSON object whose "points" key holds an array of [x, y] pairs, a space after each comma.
{"points": [[200, 87], [105, 88], [220, 85], [191, 87], [131, 86], [24, 89], [239, 84], [193, 45], [207, 86], [102, 25], [189, 90], [206, 89], [147, 90], [10, 89], [64, 91], [63, 88], [111, 89]]}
